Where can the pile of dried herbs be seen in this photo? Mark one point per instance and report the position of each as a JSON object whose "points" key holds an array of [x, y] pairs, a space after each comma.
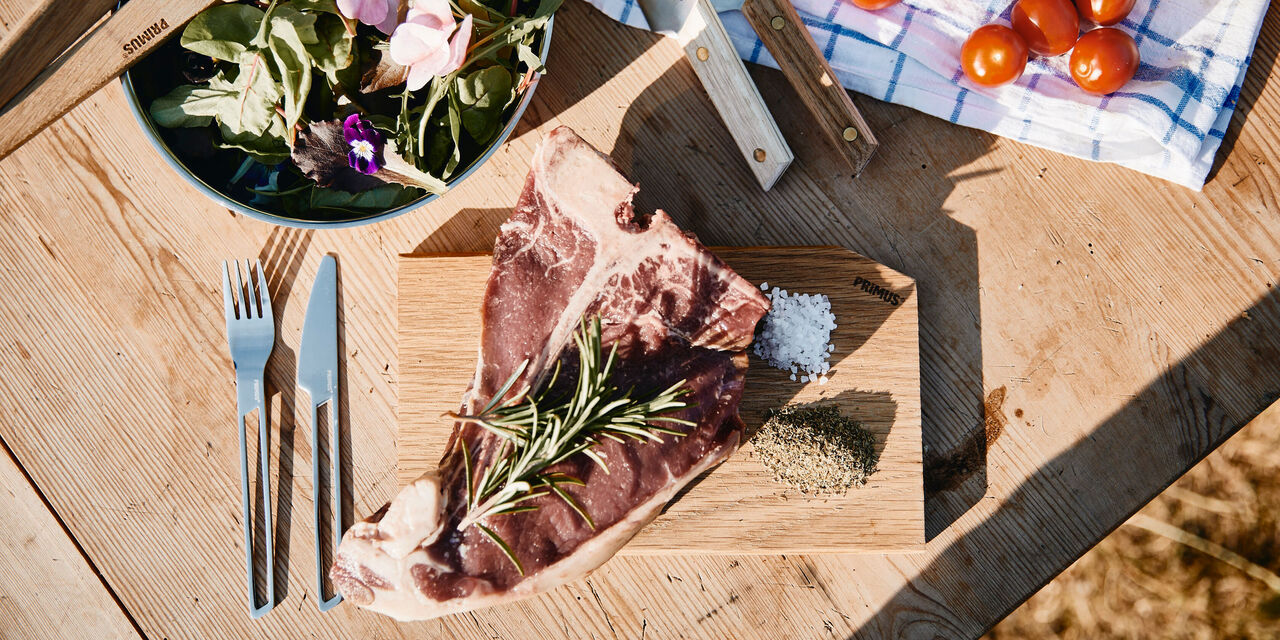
{"points": [[815, 449], [332, 107]]}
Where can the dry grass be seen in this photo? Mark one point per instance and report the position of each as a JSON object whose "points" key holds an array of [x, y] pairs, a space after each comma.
{"points": [[1201, 561]]}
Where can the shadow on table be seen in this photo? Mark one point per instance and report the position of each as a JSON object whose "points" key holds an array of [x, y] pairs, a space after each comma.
{"points": [[281, 258], [1256, 79], [579, 31], [1182, 420], [467, 230], [663, 143]]}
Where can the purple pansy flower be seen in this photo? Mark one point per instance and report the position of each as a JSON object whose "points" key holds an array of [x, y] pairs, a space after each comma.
{"points": [[365, 142]]}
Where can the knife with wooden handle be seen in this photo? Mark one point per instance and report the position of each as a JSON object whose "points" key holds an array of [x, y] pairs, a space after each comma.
{"points": [[696, 26], [784, 34], [103, 54]]}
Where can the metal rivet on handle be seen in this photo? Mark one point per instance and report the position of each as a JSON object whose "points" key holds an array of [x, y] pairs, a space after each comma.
{"points": [[760, 155], [777, 23], [850, 134], [703, 54]]}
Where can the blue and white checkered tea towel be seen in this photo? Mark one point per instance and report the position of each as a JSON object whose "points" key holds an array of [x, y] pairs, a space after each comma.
{"points": [[1168, 121]]}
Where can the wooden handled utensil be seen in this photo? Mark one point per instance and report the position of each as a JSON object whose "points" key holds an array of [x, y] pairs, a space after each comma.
{"points": [[784, 34], [696, 26], [101, 55]]}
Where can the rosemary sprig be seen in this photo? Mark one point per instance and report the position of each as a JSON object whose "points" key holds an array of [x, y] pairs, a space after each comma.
{"points": [[540, 432]]}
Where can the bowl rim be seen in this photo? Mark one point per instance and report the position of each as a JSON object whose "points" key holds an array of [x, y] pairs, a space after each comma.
{"points": [[149, 129]]}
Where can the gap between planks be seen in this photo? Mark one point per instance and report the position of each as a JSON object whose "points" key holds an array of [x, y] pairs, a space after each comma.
{"points": [[66, 531]]}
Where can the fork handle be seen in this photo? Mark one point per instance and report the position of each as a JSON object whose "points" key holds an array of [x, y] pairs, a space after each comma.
{"points": [[335, 495], [251, 396]]}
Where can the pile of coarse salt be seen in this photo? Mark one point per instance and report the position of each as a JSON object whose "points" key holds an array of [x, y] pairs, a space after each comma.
{"points": [[797, 334]]}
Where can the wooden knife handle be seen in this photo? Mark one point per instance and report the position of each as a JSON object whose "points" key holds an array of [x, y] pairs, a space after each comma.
{"points": [[45, 32], [103, 54], [782, 31], [734, 94]]}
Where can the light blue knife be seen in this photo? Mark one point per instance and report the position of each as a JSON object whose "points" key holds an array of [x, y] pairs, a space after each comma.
{"points": [[318, 376]]}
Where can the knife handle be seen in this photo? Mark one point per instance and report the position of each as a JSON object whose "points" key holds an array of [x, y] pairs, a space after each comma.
{"points": [[782, 31], [734, 94], [101, 55]]}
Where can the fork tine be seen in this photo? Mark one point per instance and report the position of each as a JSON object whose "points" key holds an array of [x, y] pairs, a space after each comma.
{"points": [[251, 296], [264, 294], [228, 302], [241, 301]]}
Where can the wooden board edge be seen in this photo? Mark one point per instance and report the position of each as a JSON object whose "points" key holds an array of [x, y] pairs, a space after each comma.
{"points": [[714, 249]]}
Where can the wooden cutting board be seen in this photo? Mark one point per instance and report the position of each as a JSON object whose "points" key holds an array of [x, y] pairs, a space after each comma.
{"points": [[737, 507]]}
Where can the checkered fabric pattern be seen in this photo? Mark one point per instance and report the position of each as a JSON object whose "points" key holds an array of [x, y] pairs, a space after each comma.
{"points": [[1167, 122]]}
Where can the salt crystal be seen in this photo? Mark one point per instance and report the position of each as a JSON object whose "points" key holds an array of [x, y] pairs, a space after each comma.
{"points": [[764, 286], [796, 333]]}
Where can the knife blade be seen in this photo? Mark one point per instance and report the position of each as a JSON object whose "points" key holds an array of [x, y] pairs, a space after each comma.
{"points": [[786, 37], [695, 25], [318, 376]]}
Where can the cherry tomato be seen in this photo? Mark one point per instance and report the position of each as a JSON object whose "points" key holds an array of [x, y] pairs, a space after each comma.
{"points": [[1050, 27], [1104, 12], [1104, 59], [993, 55], [876, 5]]}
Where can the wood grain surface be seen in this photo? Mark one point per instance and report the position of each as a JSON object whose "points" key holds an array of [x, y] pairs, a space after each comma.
{"points": [[738, 507], [1086, 335], [45, 32], [46, 586], [98, 58]]}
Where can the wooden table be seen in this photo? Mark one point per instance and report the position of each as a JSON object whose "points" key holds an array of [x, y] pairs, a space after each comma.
{"points": [[1087, 334]]}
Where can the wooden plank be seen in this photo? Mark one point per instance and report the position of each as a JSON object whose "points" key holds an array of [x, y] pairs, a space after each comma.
{"points": [[739, 507], [46, 586], [46, 31], [95, 60], [1110, 307]]}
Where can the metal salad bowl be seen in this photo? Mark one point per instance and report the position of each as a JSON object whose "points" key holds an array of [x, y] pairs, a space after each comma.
{"points": [[190, 169]]}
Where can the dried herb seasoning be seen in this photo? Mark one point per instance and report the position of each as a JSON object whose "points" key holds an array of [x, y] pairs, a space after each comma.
{"points": [[815, 449]]}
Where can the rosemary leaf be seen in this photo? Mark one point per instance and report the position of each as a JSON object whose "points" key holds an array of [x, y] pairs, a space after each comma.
{"points": [[502, 544], [540, 431], [573, 504]]}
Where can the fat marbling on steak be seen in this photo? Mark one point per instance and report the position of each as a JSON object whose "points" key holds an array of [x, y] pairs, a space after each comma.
{"points": [[573, 248]]}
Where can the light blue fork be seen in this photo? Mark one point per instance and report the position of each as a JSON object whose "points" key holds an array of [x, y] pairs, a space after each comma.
{"points": [[251, 336]]}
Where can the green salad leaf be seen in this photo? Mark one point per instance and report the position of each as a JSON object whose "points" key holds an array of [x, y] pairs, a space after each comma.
{"points": [[189, 106], [293, 65], [333, 50], [287, 76], [483, 96], [223, 32], [255, 95]]}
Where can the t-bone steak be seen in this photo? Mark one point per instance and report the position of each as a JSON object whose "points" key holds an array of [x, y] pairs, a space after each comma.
{"points": [[574, 248]]}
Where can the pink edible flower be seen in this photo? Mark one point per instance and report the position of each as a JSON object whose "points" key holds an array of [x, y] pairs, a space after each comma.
{"points": [[430, 42], [377, 13]]}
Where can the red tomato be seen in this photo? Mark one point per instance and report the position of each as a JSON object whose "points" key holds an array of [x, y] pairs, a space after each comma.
{"points": [[1104, 12], [1050, 27], [874, 5], [993, 55], [1104, 59]]}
